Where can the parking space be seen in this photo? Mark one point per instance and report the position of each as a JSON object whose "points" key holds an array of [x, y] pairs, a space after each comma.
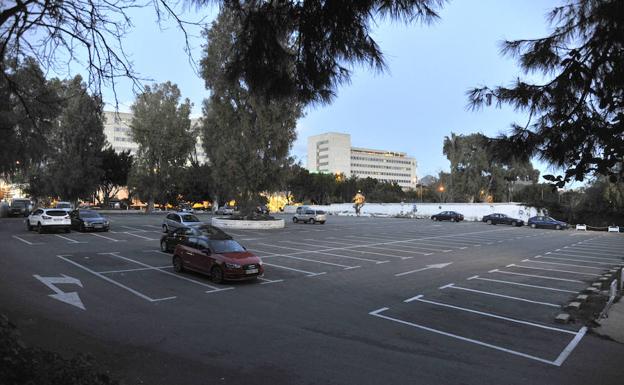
{"points": [[512, 308]]}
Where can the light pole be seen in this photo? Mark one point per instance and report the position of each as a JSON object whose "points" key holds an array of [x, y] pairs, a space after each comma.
{"points": [[441, 190]]}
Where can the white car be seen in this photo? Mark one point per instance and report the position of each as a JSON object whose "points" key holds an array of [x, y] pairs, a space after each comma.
{"points": [[176, 220], [67, 206], [48, 219]]}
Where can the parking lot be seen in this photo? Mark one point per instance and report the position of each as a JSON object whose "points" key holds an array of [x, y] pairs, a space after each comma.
{"points": [[357, 300]]}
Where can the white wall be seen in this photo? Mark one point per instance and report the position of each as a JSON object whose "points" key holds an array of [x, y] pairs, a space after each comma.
{"points": [[471, 211]]}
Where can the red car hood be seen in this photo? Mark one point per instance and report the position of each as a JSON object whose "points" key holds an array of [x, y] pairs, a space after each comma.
{"points": [[244, 257]]}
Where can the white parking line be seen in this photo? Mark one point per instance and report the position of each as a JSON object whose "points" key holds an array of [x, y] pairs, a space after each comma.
{"points": [[133, 228], [575, 260], [568, 349], [271, 255], [605, 253], [68, 239], [419, 299], [452, 286], [583, 255], [377, 313], [215, 288], [135, 269], [563, 264], [131, 290], [376, 261], [269, 281], [413, 245], [557, 270], [535, 276], [105, 237], [308, 273], [523, 284], [26, 242], [140, 236], [389, 248]]}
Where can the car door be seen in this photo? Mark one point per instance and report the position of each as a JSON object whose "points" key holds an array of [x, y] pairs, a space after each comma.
{"points": [[175, 221], [35, 217], [74, 216], [186, 252], [203, 256]]}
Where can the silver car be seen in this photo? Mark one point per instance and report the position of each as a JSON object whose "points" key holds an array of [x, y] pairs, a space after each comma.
{"points": [[307, 215], [176, 220]]}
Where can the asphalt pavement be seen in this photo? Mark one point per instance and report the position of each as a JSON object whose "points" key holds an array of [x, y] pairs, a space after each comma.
{"points": [[353, 301]]}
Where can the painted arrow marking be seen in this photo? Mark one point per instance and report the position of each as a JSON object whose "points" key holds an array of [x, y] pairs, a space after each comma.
{"points": [[71, 298], [436, 266]]}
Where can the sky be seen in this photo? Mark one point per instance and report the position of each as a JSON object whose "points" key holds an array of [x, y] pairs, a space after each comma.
{"points": [[411, 107]]}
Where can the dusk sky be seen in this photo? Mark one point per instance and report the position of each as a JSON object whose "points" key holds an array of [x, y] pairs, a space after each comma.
{"points": [[411, 107]]}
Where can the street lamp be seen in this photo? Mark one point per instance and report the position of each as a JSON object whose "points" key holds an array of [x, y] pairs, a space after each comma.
{"points": [[441, 190]]}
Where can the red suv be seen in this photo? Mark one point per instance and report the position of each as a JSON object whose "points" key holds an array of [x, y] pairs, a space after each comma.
{"points": [[222, 259]]}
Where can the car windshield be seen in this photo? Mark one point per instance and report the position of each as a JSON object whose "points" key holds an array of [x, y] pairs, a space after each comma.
{"points": [[320, 212], [89, 214], [225, 246], [189, 218], [63, 206], [18, 204], [549, 219], [56, 213]]}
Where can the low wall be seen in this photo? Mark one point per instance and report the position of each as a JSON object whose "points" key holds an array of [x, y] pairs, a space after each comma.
{"points": [[249, 225], [471, 211]]}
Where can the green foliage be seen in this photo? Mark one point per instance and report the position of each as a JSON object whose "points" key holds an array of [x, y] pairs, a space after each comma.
{"points": [[477, 174], [162, 127], [74, 162], [320, 188], [306, 49], [115, 170], [576, 116], [246, 137], [29, 106]]}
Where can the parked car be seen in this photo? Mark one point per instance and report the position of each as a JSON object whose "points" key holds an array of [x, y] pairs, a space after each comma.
{"points": [[221, 259], [64, 205], [176, 220], [496, 218], [48, 219], [546, 222], [452, 216], [19, 207], [85, 220], [169, 241], [307, 215], [262, 209]]}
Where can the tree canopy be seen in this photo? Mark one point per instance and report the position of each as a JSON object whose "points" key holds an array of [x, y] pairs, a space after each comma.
{"points": [[162, 127], [577, 115]]}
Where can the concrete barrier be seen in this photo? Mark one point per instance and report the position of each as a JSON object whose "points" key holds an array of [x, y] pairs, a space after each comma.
{"points": [[239, 224]]}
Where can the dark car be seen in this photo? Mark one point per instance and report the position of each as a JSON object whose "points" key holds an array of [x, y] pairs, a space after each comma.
{"points": [[262, 209], [19, 207], [546, 222], [88, 220], [221, 259], [452, 216], [169, 241], [497, 218]]}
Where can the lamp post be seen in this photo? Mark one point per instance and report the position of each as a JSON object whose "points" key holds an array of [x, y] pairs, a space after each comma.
{"points": [[441, 190]]}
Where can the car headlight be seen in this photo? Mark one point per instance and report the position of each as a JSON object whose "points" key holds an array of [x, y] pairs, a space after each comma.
{"points": [[260, 263], [232, 265]]}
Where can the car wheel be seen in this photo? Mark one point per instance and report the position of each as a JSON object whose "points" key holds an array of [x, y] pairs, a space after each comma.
{"points": [[533, 226], [82, 228], [163, 246], [557, 227], [67, 230], [452, 219], [216, 274], [489, 222], [164, 228], [28, 226], [312, 221], [434, 219], [39, 228], [178, 265], [295, 220], [513, 223]]}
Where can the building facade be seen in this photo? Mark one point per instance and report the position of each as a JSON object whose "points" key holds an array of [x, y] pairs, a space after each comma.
{"points": [[332, 153], [117, 131]]}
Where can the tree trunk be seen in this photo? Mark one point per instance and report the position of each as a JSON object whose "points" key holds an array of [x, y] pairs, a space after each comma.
{"points": [[150, 205]]}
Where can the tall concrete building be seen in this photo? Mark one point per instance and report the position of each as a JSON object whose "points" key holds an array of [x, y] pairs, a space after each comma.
{"points": [[332, 153], [117, 131]]}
